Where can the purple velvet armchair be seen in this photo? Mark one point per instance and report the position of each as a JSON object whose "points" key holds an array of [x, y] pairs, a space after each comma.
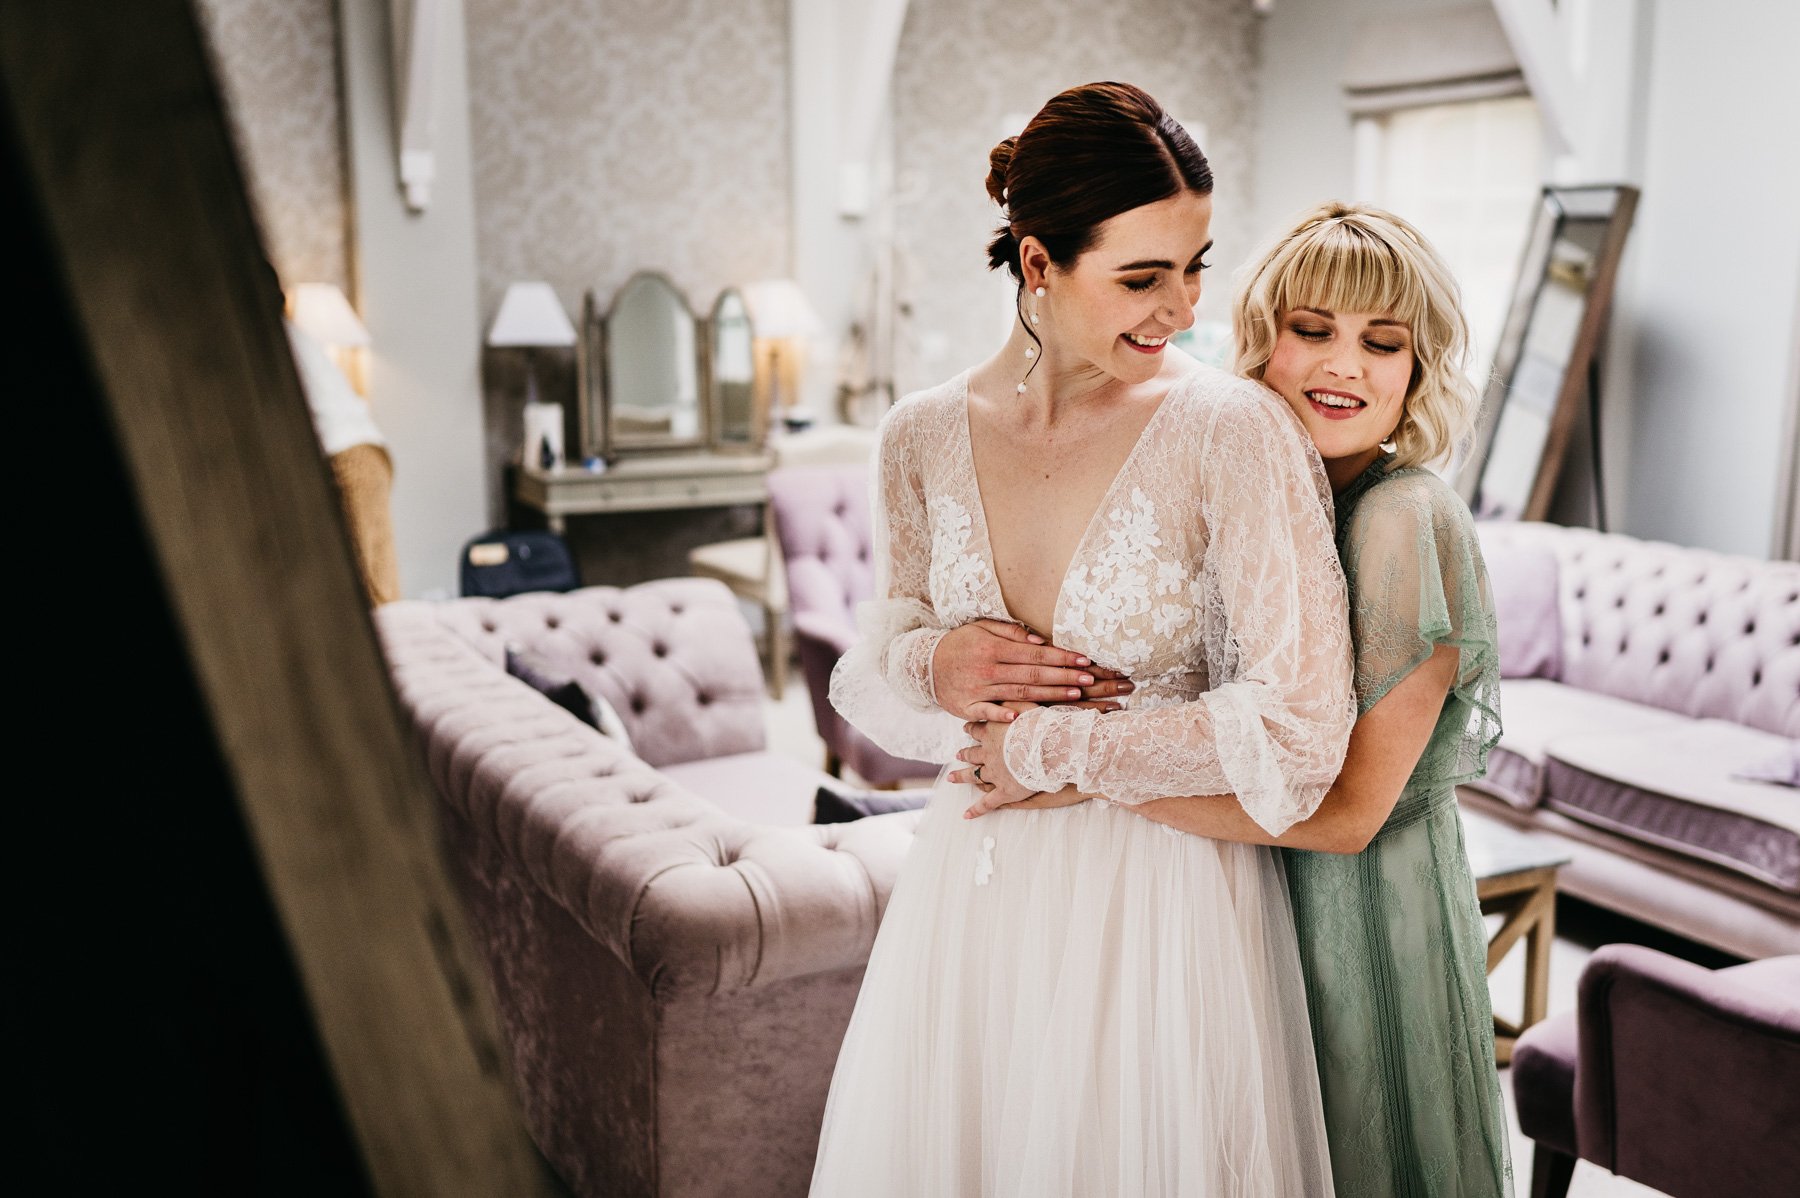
{"points": [[822, 524], [1676, 1076]]}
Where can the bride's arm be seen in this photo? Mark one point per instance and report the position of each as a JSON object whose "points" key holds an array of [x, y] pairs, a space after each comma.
{"points": [[883, 683], [1385, 745], [1274, 733]]}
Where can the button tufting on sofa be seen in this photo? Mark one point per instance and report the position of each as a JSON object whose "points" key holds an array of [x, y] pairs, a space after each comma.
{"points": [[614, 616], [597, 658], [659, 649], [1677, 847]]}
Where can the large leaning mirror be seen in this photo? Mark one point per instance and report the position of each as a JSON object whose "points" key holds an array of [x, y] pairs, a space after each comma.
{"points": [[731, 374], [1553, 332], [650, 380]]}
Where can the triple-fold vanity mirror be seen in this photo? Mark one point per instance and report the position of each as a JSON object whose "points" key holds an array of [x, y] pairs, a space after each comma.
{"points": [[657, 378]]}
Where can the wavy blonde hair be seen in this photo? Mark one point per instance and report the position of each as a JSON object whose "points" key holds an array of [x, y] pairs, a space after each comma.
{"points": [[1356, 258]]}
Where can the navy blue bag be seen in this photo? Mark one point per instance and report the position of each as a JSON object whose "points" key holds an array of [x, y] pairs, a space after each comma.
{"points": [[503, 562]]}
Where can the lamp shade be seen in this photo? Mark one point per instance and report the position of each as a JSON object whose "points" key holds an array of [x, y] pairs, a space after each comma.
{"points": [[322, 312], [531, 315], [778, 308]]}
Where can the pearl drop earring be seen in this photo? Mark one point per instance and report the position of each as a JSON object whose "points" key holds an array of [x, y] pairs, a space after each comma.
{"points": [[1031, 351]]}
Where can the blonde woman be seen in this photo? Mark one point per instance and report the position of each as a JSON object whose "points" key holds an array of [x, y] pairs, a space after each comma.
{"points": [[1352, 318]]}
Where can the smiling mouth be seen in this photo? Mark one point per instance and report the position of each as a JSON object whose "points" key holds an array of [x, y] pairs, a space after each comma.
{"points": [[1146, 345], [1336, 402]]}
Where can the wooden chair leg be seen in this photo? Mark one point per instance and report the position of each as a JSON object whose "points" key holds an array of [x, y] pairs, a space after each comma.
{"points": [[1551, 1172], [834, 765], [778, 649]]}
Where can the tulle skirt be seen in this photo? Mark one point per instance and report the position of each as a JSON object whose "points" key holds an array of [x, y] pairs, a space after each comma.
{"points": [[1077, 1002]]}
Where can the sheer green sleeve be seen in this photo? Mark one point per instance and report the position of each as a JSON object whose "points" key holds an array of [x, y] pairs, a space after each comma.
{"points": [[1416, 581]]}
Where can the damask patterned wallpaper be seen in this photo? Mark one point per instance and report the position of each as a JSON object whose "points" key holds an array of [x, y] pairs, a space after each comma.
{"points": [[279, 67], [613, 137], [966, 65]]}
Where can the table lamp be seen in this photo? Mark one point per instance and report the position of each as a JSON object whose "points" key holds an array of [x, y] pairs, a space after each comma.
{"points": [[322, 313], [783, 320], [531, 317]]}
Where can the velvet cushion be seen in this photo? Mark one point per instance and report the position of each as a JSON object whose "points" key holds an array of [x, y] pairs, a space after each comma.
{"points": [[1534, 712], [764, 787], [841, 805], [1523, 577], [1543, 1082], [1676, 790]]}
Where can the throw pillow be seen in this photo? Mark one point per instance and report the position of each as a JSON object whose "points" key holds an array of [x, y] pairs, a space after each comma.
{"points": [[590, 708], [842, 805]]}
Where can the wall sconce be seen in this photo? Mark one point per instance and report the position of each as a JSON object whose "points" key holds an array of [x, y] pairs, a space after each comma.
{"points": [[783, 320], [322, 313], [531, 317]]}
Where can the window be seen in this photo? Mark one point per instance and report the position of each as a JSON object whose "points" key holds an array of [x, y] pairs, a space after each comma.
{"points": [[1468, 175]]}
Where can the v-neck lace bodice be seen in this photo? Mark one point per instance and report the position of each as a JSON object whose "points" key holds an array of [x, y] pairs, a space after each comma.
{"points": [[1109, 505], [1207, 574]]}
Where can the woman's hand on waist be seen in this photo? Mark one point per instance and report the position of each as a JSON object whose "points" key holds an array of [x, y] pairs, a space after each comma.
{"points": [[981, 665], [994, 784]]}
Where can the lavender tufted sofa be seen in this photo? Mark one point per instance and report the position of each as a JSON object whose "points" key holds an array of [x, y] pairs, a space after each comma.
{"points": [[674, 950], [1638, 679]]}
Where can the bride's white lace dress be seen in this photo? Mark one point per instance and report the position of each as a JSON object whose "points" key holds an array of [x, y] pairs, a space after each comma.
{"points": [[1080, 1002]]}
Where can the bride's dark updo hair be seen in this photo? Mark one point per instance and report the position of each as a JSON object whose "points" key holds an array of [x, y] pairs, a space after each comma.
{"points": [[1089, 154]]}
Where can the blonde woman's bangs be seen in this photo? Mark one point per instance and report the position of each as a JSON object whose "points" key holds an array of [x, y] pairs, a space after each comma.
{"points": [[1338, 268]]}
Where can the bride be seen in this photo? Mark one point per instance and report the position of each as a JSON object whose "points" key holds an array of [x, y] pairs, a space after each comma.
{"points": [[1074, 1001]]}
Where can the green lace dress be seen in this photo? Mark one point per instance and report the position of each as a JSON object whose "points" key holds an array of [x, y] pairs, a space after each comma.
{"points": [[1391, 940]]}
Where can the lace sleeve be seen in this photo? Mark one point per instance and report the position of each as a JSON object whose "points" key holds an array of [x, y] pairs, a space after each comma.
{"points": [[883, 685], [1275, 725], [1417, 582]]}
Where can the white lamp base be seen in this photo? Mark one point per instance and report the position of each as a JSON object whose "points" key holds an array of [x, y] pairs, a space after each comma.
{"points": [[543, 426]]}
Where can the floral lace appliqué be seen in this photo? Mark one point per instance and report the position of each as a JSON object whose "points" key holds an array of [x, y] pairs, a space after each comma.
{"points": [[984, 861], [1120, 583], [960, 576]]}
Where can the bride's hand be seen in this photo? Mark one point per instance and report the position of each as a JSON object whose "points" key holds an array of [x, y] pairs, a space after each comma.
{"points": [[996, 785], [984, 664]]}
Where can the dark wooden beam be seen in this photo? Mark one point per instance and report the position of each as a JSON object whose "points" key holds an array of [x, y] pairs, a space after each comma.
{"points": [[121, 149]]}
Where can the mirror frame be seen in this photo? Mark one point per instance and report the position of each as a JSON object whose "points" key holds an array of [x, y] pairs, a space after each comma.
{"points": [[590, 353], [1615, 205], [596, 404], [715, 403]]}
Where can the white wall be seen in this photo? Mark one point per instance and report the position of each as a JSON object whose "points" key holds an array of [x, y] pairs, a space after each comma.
{"points": [[1705, 313], [1304, 151], [1713, 298], [415, 276]]}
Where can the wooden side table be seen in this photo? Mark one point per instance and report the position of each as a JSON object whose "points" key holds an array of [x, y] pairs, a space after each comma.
{"points": [[1515, 878]]}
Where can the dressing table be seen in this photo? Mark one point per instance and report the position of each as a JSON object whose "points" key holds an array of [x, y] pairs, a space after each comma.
{"points": [[663, 482]]}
